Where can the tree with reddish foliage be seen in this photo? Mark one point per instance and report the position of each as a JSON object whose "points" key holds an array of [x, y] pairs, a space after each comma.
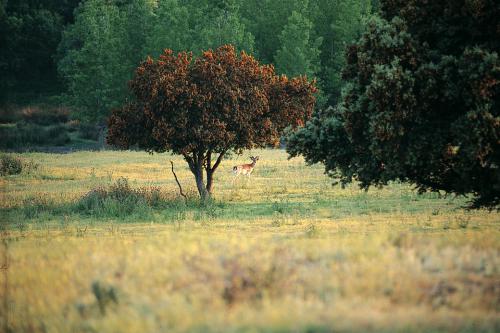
{"points": [[204, 108]]}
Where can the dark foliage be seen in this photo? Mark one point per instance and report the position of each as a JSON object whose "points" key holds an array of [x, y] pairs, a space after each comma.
{"points": [[203, 108], [10, 165], [24, 135], [88, 131], [421, 102], [45, 115], [30, 31]]}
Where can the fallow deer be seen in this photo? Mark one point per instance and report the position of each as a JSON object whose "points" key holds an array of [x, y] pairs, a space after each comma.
{"points": [[245, 169]]}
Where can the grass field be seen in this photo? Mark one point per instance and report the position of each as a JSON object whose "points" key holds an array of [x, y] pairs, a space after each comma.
{"points": [[282, 251]]}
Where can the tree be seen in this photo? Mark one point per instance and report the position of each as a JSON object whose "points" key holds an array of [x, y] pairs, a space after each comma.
{"points": [[137, 19], [265, 19], [204, 108], [339, 23], [298, 53], [220, 23], [421, 103], [29, 34], [96, 63], [171, 29]]}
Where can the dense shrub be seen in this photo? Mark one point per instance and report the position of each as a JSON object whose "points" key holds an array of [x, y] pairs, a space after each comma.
{"points": [[9, 114], [34, 126], [34, 206], [10, 165], [88, 131], [29, 134], [45, 115], [120, 200]]}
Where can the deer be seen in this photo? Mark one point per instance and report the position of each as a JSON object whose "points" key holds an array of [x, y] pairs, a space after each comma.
{"points": [[245, 169]]}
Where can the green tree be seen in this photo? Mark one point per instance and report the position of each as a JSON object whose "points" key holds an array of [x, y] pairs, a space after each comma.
{"points": [[265, 19], [299, 54], [340, 23], [29, 34], [170, 29], [138, 21], [421, 103], [96, 63], [196, 25], [221, 24]]}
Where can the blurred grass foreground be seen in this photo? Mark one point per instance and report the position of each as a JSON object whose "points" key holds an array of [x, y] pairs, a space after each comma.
{"points": [[102, 242]]}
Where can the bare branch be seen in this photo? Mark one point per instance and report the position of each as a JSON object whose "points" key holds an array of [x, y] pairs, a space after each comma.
{"points": [[179, 184]]}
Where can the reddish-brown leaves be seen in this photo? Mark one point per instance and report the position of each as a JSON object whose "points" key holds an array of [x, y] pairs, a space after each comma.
{"points": [[217, 102]]}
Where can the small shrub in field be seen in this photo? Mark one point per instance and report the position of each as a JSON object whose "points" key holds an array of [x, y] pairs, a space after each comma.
{"points": [[120, 200], [282, 206], [311, 231], [33, 206], [10, 165], [121, 190], [30, 166], [105, 295], [246, 279], [208, 210], [463, 222]]}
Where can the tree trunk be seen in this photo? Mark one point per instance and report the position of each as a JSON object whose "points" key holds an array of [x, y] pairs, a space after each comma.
{"points": [[200, 163], [210, 169], [210, 183], [200, 184]]}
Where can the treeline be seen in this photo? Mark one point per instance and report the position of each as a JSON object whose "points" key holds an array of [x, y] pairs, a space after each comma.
{"points": [[85, 52], [30, 32]]}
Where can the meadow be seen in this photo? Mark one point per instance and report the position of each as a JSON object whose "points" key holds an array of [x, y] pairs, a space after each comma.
{"points": [[102, 242]]}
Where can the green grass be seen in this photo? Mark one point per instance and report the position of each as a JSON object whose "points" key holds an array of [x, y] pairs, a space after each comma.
{"points": [[281, 251]]}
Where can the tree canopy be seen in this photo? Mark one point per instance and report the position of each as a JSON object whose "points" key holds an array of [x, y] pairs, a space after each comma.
{"points": [[82, 53], [204, 107], [421, 102], [298, 53], [30, 31]]}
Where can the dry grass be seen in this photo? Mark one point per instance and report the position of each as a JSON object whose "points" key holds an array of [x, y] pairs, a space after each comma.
{"points": [[282, 251]]}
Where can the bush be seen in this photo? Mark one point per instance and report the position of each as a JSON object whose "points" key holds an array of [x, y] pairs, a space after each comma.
{"points": [[29, 134], [247, 280], [120, 200], [45, 115], [10, 165], [88, 131], [57, 135], [9, 114], [35, 205]]}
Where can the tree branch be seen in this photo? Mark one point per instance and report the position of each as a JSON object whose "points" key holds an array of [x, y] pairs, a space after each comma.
{"points": [[179, 184], [190, 162], [217, 162]]}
